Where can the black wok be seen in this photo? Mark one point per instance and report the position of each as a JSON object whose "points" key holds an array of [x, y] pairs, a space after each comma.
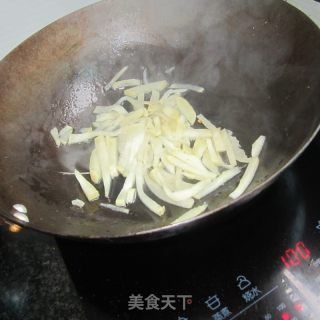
{"points": [[259, 61]]}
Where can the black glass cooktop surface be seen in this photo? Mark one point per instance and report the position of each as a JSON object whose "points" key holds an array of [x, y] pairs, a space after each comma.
{"points": [[261, 261]]}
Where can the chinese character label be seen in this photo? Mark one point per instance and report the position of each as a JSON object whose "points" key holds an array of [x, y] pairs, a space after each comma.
{"points": [[294, 297], [152, 302], [136, 302], [168, 301], [318, 226], [251, 294], [213, 303], [217, 316], [281, 307], [226, 312], [267, 316], [186, 299], [223, 314]]}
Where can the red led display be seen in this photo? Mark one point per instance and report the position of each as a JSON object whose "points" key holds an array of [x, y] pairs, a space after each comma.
{"points": [[285, 316], [293, 257]]}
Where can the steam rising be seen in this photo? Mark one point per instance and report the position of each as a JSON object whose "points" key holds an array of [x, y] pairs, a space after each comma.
{"points": [[235, 49]]}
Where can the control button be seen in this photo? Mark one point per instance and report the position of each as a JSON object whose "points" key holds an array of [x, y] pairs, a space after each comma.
{"points": [[213, 302], [286, 316], [294, 297], [289, 290], [298, 307], [243, 283], [316, 263], [281, 307]]}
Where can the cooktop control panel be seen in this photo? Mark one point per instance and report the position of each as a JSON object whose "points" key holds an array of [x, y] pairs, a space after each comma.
{"points": [[287, 287], [290, 292], [293, 295]]}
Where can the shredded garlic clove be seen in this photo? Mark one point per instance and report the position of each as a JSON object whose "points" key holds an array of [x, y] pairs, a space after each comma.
{"points": [[55, 135], [116, 78], [78, 203], [257, 146], [246, 178], [191, 214], [89, 190]]}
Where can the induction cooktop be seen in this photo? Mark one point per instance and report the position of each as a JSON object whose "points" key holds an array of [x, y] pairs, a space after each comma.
{"points": [[261, 261]]}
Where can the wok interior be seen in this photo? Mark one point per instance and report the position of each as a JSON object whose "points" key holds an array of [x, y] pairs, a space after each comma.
{"points": [[258, 61]]}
